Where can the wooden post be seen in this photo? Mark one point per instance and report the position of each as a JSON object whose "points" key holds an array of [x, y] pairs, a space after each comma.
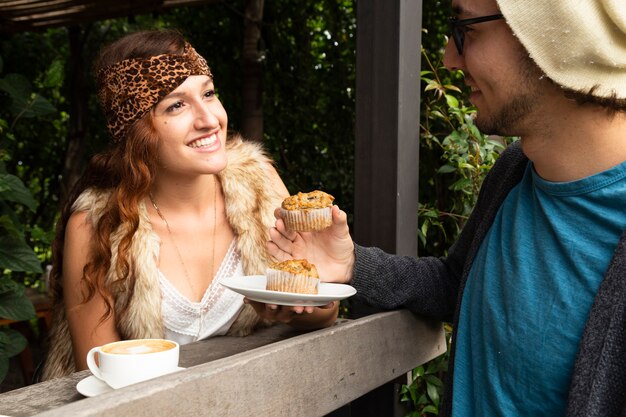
{"points": [[387, 124], [73, 166], [252, 71], [387, 148]]}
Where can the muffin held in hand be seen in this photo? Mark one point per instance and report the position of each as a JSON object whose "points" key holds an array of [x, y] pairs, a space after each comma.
{"points": [[308, 212], [294, 275]]}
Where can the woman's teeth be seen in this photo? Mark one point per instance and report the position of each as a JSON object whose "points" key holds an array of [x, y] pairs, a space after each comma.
{"points": [[204, 142]]}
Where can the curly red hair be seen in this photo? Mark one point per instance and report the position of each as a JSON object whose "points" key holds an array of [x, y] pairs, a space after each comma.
{"points": [[127, 171]]}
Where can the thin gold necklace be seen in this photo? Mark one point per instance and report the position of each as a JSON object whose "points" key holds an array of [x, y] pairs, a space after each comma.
{"points": [[169, 231]]}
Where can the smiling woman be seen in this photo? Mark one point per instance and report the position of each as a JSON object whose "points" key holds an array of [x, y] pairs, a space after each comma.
{"points": [[158, 220]]}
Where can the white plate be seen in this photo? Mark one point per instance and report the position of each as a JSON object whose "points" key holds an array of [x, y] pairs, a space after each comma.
{"points": [[92, 386], [253, 287]]}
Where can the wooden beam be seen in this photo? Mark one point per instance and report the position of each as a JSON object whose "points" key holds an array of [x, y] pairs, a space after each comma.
{"points": [[24, 15], [308, 375]]}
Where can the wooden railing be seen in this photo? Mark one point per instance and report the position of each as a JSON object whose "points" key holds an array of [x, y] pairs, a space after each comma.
{"points": [[274, 372]]}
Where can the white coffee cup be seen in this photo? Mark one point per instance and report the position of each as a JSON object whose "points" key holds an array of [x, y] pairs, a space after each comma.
{"points": [[130, 361]]}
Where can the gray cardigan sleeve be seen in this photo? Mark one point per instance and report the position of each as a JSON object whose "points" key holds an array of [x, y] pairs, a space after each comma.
{"points": [[431, 286], [427, 286]]}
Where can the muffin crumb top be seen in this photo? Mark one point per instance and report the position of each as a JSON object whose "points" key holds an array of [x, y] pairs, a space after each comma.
{"points": [[296, 266], [314, 199]]}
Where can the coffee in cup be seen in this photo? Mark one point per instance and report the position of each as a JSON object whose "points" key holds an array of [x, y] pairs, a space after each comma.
{"points": [[130, 361]]}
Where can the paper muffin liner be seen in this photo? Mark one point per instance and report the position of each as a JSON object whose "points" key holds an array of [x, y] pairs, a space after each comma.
{"points": [[288, 282], [308, 220]]}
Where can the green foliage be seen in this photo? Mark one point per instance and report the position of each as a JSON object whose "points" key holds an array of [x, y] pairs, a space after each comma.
{"points": [[460, 157], [15, 253], [33, 120], [309, 94], [424, 391]]}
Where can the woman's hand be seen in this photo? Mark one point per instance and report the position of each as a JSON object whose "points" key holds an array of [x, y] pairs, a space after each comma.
{"points": [[301, 317], [331, 250]]}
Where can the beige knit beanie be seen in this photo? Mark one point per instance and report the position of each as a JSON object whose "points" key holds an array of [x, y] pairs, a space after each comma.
{"points": [[579, 44]]}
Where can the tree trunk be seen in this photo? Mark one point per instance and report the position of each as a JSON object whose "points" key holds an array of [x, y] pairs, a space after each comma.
{"points": [[252, 65]]}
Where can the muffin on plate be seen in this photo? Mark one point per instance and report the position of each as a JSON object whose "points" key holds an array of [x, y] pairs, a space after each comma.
{"points": [[308, 212], [294, 275]]}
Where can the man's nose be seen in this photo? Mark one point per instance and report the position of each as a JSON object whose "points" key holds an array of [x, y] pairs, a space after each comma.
{"points": [[451, 58]]}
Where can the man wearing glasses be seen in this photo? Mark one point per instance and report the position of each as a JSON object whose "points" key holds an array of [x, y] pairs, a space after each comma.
{"points": [[536, 284]]}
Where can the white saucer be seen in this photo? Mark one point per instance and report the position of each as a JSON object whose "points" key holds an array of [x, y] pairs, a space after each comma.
{"points": [[253, 287], [92, 386]]}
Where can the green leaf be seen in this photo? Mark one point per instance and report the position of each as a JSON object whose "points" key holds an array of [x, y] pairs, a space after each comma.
{"points": [[465, 165], [430, 409], [438, 113], [8, 285], [38, 106], [430, 213], [16, 307], [17, 86], [16, 255], [452, 87], [55, 74], [11, 342], [25, 102], [462, 184], [422, 400], [452, 101], [9, 227], [433, 380], [433, 393], [13, 189], [432, 85], [446, 169]]}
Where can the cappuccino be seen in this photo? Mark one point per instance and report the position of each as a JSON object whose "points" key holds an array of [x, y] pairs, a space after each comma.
{"points": [[130, 361], [137, 347]]}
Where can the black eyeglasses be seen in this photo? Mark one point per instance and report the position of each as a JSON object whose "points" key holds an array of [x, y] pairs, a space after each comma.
{"points": [[458, 31]]}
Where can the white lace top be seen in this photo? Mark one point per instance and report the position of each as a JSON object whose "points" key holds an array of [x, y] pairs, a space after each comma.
{"points": [[186, 321]]}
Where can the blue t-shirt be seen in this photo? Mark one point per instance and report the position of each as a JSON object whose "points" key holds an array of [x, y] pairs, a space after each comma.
{"points": [[529, 293]]}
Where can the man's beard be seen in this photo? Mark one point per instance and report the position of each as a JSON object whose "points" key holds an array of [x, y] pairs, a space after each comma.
{"points": [[509, 118]]}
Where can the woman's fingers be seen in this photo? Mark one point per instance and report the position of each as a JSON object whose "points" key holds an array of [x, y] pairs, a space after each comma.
{"points": [[272, 312]]}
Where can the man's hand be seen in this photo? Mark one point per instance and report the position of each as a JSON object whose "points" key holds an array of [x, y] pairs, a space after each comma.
{"points": [[331, 250]]}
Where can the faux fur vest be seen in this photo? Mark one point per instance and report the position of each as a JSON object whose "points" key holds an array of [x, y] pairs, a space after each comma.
{"points": [[250, 203]]}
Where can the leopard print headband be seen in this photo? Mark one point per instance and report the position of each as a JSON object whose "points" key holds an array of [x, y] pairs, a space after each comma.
{"points": [[130, 88]]}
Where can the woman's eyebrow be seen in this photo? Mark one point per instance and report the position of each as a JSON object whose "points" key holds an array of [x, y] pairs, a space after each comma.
{"points": [[175, 94]]}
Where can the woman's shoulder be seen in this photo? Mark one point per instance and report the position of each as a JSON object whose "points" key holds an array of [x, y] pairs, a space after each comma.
{"points": [[91, 199], [79, 230]]}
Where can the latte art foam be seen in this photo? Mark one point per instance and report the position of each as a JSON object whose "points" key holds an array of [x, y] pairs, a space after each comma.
{"points": [[137, 347]]}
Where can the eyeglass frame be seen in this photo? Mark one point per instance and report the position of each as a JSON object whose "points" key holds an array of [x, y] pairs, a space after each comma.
{"points": [[458, 35]]}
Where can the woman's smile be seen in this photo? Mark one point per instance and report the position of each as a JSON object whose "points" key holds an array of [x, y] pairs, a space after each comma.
{"points": [[204, 142]]}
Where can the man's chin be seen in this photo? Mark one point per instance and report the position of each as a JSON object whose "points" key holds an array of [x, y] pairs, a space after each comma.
{"points": [[485, 125], [490, 126]]}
